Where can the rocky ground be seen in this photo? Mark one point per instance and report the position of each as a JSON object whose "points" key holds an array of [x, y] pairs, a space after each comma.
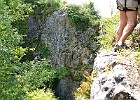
{"points": [[118, 76]]}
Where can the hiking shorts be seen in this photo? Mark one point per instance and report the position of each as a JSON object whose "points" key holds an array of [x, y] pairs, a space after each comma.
{"points": [[127, 5]]}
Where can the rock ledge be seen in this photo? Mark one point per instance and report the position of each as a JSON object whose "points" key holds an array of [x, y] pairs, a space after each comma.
{"points": [[118, 77]]}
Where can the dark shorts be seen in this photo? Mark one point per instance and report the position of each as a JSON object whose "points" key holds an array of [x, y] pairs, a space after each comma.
{"points": [[127, 5]]}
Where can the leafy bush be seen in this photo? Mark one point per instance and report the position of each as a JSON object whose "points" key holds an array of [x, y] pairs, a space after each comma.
{"points": [[83, 16], [41, 94], [16, 78], [44, 7], [10, 40], [83, 92], [39, 74]]}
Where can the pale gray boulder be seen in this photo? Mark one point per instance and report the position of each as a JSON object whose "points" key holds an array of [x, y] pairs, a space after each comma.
{"points": [[118, 77]]}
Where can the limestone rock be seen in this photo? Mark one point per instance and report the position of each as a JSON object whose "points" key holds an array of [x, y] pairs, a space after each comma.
{"points": [[69, 47], [118, 77]]}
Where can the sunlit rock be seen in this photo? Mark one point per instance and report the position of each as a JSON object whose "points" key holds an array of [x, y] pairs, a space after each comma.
{"points": [[118, 77]]}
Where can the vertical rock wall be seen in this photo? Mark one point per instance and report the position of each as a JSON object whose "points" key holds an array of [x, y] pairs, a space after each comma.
{"points": [[69, 47]]}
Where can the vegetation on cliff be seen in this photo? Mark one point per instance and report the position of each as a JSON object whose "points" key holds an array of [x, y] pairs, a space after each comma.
{"points": [[21, 72]]}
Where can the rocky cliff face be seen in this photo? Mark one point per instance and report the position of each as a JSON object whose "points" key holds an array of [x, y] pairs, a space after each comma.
{"points": [[68, 46], [118, 77]]}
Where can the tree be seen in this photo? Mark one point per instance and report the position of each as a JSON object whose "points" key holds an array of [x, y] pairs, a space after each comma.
{"points": [[10, 51]]}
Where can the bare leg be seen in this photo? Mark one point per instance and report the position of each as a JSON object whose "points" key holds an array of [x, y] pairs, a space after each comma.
{"points": [[131, 24], [123, 22]]}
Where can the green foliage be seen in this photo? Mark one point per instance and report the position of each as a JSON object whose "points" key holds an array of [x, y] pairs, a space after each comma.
{"points": [[18, 75], [18, 53], [43, 49], [91, 11], [40, 9], [44, 7], [83, 92], [78, 17], [83, 17], [10, 40], [15, 77], [40, 94], [108, 28], [134, 41], [39, 74]]}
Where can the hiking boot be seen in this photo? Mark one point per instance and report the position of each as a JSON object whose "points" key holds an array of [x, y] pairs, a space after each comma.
{"points": [[118, 48], [124, 46]]}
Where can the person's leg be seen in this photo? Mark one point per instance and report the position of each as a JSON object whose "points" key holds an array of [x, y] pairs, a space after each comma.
{"points": [[131, 24], [123, 22]]}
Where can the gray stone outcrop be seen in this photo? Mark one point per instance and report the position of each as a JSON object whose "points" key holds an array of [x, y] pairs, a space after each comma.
{"points": [[69, 47], [118, 77]]}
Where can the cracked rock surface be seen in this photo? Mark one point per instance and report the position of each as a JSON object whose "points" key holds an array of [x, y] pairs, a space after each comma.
{"points": [[118, 77]]}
